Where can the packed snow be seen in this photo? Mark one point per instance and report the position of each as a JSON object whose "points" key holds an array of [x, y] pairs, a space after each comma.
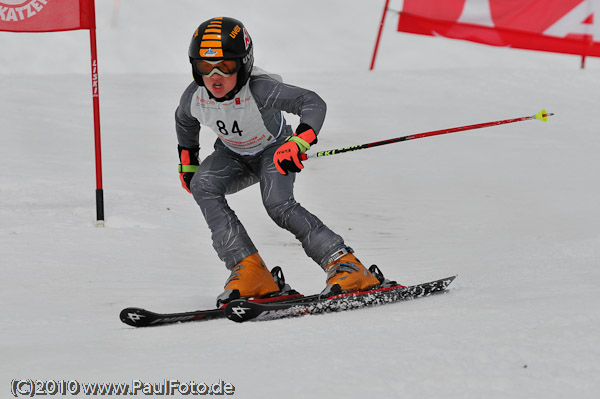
{"points": [[513, 210]]}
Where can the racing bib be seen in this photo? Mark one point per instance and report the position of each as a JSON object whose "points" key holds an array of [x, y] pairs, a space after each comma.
{"points": [[237, 122]]}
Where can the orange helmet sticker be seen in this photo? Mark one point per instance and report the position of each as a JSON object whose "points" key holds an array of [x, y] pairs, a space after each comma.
{"points": [[211, 44]]}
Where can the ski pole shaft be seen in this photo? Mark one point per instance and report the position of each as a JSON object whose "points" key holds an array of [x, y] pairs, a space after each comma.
{"points": [[542, 115]]}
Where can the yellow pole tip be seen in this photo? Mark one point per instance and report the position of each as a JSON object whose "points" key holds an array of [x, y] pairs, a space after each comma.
{"points": [[542, 115]]}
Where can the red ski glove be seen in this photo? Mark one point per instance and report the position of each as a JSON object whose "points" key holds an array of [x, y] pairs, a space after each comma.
{"points": [[188, 158], [288, 156]]}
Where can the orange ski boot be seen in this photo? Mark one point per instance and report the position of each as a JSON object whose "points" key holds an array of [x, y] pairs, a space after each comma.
{"points": [[345, 273], [250, 278]]}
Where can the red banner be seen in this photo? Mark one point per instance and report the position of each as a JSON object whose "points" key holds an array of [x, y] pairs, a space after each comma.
{"points": [[560, 26], [46, 15], [61, 15]]}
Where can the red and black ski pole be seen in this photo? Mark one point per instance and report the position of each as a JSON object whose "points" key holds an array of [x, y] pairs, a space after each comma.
{"points": [[542, 116]]}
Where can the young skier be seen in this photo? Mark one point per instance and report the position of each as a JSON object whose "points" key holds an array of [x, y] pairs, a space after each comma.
{"points": [[243, 105]]}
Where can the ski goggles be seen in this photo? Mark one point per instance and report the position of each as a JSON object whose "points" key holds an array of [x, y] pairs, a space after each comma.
{"points": [[223, 67]]}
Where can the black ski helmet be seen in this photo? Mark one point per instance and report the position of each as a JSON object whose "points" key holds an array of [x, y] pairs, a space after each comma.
{"points": [[222, 38]]}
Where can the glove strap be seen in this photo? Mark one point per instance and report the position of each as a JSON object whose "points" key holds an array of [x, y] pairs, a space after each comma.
{"points": [[305, 137], [187, 168], [302, 144]]}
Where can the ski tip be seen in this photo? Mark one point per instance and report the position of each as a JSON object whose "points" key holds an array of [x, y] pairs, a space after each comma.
{"points": [[445, 282], [135, 317], [543, 115]]}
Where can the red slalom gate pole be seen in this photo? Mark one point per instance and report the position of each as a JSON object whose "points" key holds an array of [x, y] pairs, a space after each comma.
{"points": [[98, 152], [542, 116], [385, 9]]}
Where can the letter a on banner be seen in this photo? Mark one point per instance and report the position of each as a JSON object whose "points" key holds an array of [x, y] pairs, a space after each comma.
{"points": [[54, 16]]}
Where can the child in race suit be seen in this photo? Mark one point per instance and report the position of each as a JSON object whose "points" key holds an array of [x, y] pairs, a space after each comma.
{"points": [[243, 105]]}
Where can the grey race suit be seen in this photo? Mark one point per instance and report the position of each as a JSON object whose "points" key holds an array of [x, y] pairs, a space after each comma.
{"points": [[251, 127]]}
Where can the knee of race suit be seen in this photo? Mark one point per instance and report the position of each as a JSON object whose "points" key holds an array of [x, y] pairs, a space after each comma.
{"points": [[280, 212], [204, 189]]}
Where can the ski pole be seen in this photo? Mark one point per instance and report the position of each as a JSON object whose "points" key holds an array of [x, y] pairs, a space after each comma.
{"points": [[542, 116]]}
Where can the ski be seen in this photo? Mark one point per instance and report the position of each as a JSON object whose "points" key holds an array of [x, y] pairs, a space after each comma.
{"points": [[138, 317], [241, 310]]}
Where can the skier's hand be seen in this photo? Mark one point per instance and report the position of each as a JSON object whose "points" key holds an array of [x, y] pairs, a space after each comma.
{"points": [[288, 156], [186, 180], [188, 165]]}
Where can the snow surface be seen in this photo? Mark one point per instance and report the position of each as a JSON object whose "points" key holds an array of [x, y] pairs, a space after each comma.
{"points": [[513, 210]]}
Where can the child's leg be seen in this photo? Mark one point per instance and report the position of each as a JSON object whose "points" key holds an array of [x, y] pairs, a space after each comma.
{"points": [[219, 174], [277, 190]]}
